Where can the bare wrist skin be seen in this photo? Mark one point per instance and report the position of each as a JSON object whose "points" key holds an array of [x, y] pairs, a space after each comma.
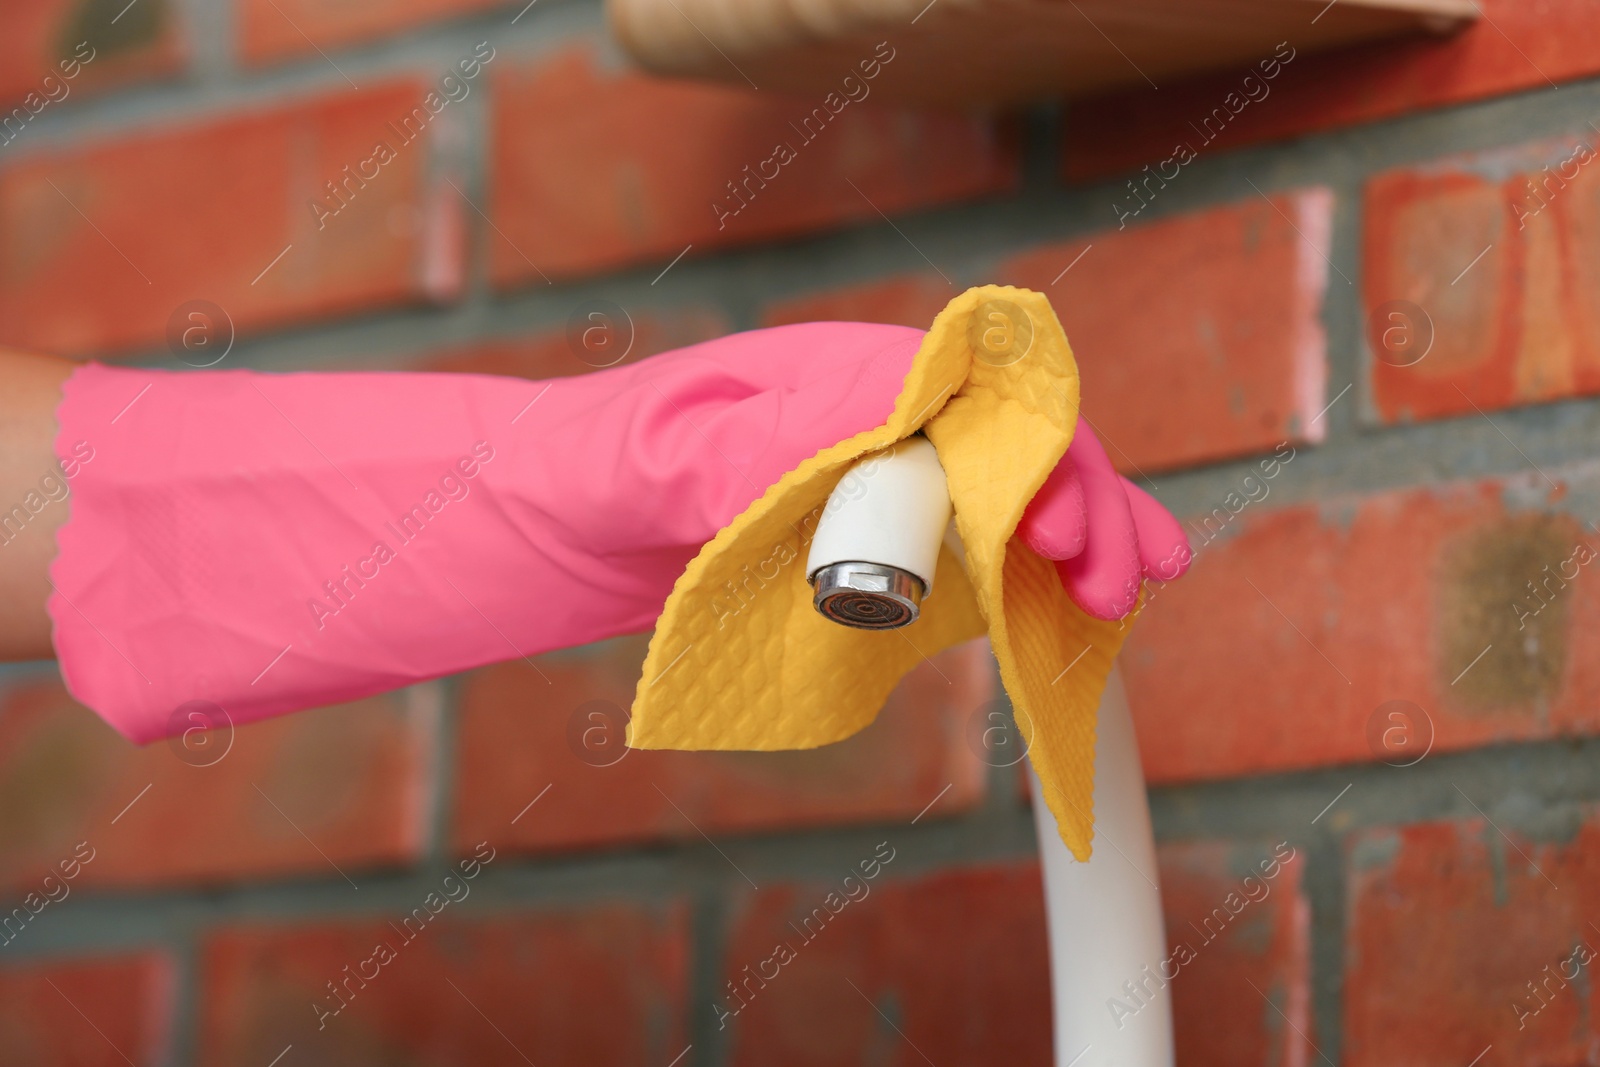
{"points": [[33, 499]]}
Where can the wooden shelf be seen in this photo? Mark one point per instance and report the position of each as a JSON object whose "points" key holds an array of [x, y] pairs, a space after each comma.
{"points": [[979, 52]]}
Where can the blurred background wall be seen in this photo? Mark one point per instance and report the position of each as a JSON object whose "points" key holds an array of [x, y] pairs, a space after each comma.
{"points": [[1349, 341]]}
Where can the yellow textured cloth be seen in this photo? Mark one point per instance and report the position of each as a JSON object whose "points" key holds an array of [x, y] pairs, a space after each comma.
{"points": [[741, 660]]}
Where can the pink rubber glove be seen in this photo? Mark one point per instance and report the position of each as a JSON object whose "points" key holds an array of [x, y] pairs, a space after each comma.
{"points": [[270, 542], [1103, 531]]}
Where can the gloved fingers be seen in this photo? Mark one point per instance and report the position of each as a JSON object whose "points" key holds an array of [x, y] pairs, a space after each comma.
{"points": [[1056, 522], [1164, 551], [1103, 579]]}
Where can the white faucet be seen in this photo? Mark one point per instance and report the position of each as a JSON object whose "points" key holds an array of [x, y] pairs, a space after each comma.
{"points": [[1107, 938], [871, 565]]}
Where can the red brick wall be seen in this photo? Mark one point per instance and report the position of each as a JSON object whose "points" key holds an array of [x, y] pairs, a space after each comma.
{"points": [[1352, 344]]}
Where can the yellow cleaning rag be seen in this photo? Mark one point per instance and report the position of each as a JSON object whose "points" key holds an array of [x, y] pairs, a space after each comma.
{"points": [[741, 660]]}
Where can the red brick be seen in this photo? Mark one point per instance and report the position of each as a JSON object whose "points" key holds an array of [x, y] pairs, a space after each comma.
{"points": [[1238, 930], [352, 779], [971, 987], [914, 300], [276, 30], [552, 354], [146, 42], [595, 169], [958, 960], [1279, 647], [1221, 307], [1236, 339], [515, 741], [1448, 924], [1518, 325], [101, 1012], [100, 244], [602, 985], [1516, 46]]}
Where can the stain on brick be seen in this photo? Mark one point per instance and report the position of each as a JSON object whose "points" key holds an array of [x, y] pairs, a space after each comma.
{"points": [[1487, 601], [41, 785], [114, 27], [1499, 253]]}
